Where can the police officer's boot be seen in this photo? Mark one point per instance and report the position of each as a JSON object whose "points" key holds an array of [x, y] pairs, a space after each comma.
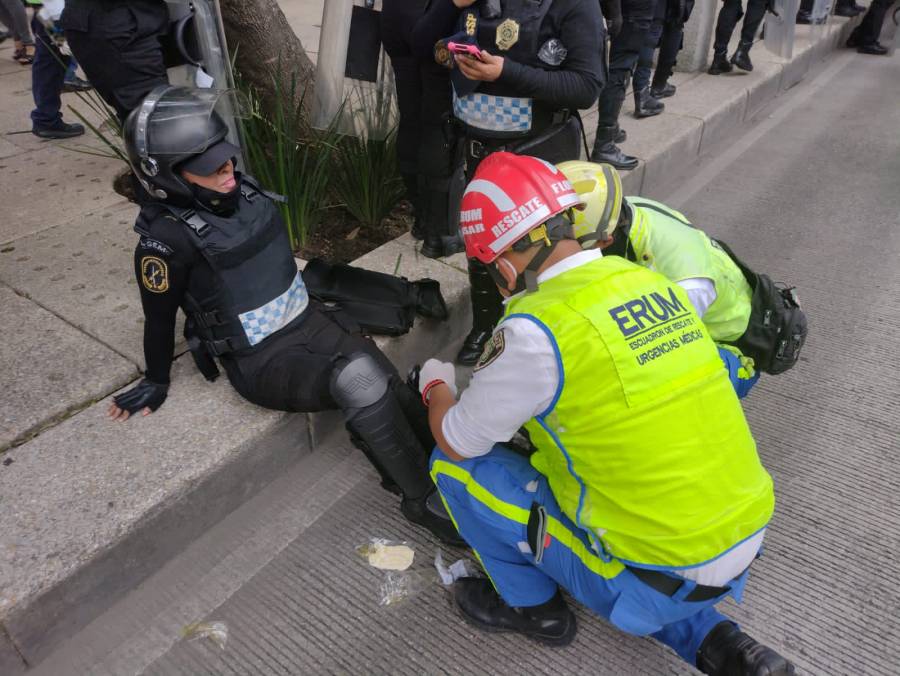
{"points": [[804, 17], [487, 308], [662, 90], [551, 623], [645, 105], [719, 63], [741, 57], [606, 150], [621, 135], [727, 651], [411, 183], [847, 9], [378, 425]]}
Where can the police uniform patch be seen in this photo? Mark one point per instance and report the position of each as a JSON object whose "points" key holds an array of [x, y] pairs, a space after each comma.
{"points": [[492, 350], [471, 23], [155, 245], [154, 274]]}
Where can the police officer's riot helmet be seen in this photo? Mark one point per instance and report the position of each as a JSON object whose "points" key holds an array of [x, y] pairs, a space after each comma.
{"points": [[170, 127]]}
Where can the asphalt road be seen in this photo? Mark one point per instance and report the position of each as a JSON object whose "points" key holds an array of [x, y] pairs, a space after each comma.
{"points": [[811, 195]]}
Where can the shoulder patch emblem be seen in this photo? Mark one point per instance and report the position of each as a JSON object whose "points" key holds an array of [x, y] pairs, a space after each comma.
{"points": [[154, 274], [492, 350]]}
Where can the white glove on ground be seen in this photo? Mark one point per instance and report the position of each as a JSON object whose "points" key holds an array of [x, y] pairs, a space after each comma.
{"points": [[433, 372]]}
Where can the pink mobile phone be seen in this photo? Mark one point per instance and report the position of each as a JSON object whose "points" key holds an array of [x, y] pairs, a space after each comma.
{"points": [[461, 48]]}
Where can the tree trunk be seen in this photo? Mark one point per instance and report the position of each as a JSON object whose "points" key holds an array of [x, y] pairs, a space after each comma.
{"points": [[268, 50]]}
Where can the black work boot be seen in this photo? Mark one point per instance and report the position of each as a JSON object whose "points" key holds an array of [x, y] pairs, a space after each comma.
{"points": [[719, 63], [804, 17], [487, 308], [551, 623], [847, 9], [662, 91], [727, 651], [645, 105], [606, 150], [429, 512], [874, 49], [741, 57], [621, 135]]}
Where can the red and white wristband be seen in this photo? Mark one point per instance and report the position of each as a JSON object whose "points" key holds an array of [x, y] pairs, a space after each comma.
{"points": [[427, 389]]}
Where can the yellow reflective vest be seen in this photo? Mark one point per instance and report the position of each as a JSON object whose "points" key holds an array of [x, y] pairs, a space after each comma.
{"points": [[645, 445], [663, 241]]}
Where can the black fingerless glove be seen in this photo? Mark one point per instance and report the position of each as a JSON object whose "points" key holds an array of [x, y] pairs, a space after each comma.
{"points": [[145, 394]]}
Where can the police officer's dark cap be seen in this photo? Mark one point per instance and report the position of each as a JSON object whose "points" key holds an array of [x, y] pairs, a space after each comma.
{"points": [[210, 159]]}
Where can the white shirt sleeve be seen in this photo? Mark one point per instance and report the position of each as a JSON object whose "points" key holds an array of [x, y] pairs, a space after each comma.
{"points": [[701, 291], [518, 384]]}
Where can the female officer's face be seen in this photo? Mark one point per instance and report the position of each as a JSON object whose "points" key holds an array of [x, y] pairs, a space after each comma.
{"points": [[222, 180]]}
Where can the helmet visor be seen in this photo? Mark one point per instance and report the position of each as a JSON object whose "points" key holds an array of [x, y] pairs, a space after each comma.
{"points": [[179, 121]]}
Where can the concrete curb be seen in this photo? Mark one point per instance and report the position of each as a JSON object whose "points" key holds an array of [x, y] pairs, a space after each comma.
{"points": [[50, 588]]}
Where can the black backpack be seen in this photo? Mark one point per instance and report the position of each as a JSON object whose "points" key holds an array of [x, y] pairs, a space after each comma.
{"points": [[777, 328]]}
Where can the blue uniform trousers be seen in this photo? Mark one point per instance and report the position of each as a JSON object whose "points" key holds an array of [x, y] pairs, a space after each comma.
{"points": [[490, 498]]}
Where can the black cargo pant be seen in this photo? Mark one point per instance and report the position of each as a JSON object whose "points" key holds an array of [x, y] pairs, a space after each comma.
{"points": [[118, 46], [292, 371], [424, 143], [868, 31], [624, 51], [729, 15]]}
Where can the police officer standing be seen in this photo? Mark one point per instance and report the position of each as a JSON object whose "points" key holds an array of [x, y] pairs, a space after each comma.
{"points": [[424, 140], [532, 66], [646, 512], [624, 51], [118, 45], [728, 17], [213, 243]]}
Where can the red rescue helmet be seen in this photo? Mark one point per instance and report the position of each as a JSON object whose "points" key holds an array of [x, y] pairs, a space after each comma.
{"points": [[509, 196]]}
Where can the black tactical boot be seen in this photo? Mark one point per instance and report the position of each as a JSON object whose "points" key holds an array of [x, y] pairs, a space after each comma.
{"points": [[621, 135], [719, 64], [606, 150], [875, 49], [551, 623], [847, 9], [804, 17], [645, 105], [727, 651], [429, 512], [662, 91], [741, 57], [487, 308]]}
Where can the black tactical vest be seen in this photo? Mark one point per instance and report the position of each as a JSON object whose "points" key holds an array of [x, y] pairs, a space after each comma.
{"points": [[258, 290]]}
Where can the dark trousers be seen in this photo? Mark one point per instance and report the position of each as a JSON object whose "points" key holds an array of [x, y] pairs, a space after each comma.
{"points": [[729, 15], [667, 33], [868, 31], [424, 147], [47, 75], [118, 46]]}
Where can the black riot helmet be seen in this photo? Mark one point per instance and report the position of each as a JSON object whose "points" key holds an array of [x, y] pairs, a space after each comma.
{"points": [[170, 127]]}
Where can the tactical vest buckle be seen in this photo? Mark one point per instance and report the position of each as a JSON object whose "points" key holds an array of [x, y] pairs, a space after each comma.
{"points": [[219, 347], [206, 320], [194, 222]]}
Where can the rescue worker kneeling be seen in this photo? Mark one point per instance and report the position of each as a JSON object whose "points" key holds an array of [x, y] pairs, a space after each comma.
{"points": [[645, 498], [656, 237], [213, 243]]}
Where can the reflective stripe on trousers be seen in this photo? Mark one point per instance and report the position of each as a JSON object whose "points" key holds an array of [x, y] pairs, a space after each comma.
{"points": [[490, 498]]}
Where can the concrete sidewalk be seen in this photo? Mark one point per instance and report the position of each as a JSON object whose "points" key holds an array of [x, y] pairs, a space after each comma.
{"points": [[90, 508]]}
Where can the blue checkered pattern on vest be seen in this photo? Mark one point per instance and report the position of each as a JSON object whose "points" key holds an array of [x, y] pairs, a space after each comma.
{"points": [[277, 313], [494, 113]]}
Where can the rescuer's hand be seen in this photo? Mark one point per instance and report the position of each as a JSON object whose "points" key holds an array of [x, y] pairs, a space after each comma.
{"points": [[434, 372]]}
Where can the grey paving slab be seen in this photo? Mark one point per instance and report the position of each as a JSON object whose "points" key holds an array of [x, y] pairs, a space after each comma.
{"points": [[83, 271], [662, 142], [52, 186], [96, 505], [50, 368], [720, 102]]}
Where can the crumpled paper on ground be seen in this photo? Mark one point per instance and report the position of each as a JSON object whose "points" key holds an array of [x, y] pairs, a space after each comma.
{"points": [[217, 632], [387, 555], [450, 574]]}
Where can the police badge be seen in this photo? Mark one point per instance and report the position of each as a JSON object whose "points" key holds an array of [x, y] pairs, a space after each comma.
{"points": [[507, 34], [442, 55]]}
